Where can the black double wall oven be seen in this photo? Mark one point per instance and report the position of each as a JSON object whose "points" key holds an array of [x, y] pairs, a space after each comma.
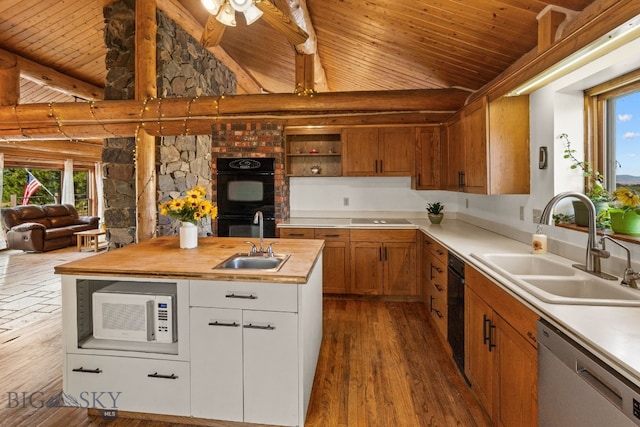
{"points": [[245, 186]]}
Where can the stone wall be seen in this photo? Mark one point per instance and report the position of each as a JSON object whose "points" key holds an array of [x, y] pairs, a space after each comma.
{"points": [[118, 153], [185, 68]]}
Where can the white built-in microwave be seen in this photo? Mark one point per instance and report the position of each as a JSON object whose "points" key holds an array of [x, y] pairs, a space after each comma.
{"points": [[135, 311]]}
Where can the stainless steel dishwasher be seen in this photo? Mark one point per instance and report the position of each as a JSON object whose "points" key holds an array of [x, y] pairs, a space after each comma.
{"points": [[575, 388]]}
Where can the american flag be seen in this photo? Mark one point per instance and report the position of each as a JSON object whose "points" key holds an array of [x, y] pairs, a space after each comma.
{"points": [[30, 188]]}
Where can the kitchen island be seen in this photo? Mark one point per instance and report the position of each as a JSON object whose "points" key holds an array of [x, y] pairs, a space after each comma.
{"points": [[243, 346]]}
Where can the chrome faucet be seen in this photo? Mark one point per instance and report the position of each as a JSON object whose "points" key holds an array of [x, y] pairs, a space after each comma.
{"points": [[258, 219], [594, 251], [629, 277]]}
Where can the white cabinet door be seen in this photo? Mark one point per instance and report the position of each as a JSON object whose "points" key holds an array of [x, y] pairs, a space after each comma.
{"points": [[270, 367], [127, 384], [216, 363]]}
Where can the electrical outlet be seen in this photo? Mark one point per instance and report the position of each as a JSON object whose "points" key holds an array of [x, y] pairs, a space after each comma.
{"points": [[521, 213], [537, 213], [345, 201]]}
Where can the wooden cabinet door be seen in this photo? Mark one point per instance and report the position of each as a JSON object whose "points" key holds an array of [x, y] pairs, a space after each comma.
{"points": [[479, 361], [397, 151], [509, 151], [335, 267], [428, 158], [270, 341], [216, 363], [453, 161], [366, 268], [517, 388], [476, 152], [360, 152], [399, 268]]}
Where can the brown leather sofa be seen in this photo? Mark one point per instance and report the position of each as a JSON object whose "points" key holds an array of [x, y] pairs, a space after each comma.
{"points": [[44, 228]]}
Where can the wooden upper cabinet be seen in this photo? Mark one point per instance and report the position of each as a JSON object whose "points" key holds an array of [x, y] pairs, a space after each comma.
{"points": [[476, 149], [428, 158], [509, 151], [487, 147], [360, 151], [453, 155], [397, 151], [378, 151]]}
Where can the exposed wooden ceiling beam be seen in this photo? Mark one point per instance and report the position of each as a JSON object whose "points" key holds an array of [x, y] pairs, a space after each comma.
{"points": [[179, 116], [300, 13], [55, 80], [178, 13], [26, 153]]}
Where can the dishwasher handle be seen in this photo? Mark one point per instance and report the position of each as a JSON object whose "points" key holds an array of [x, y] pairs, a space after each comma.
{"points": [[599, 384]]}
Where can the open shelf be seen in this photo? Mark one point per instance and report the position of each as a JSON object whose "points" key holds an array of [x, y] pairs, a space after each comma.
{"points": [[313, 152]]}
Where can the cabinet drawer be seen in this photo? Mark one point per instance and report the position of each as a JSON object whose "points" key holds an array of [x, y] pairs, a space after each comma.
{"points": [[435, 248], [243, 295], [296, 233], [332, 234], [128, 384], [377, 235], [439, 312], [438, 276]]}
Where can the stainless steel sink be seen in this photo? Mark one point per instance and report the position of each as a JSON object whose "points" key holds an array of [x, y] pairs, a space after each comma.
{"points": [[244, 261], [548, 279]]}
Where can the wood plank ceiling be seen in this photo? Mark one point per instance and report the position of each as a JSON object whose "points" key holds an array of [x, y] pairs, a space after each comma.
{"points": [[363, 45]]}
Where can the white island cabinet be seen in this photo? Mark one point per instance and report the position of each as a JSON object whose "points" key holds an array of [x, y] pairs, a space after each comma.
{"points": [[271, 333], [245, 350]]}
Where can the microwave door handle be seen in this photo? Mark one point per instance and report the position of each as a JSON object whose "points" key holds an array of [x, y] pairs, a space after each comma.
{"points": [[151, 321]]}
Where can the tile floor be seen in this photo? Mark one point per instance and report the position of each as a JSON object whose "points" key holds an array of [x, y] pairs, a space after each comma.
{"points": [[29, 288]]}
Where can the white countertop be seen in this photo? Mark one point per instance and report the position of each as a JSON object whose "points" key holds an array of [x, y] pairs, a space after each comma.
{"points": [[611, 333]]}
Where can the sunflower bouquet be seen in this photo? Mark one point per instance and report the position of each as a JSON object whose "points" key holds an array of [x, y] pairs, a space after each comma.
{"points": [[191, 208], [626, 199]]}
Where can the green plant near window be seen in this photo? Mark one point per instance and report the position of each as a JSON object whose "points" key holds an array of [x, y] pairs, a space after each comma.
{"points": [[595, 189]]}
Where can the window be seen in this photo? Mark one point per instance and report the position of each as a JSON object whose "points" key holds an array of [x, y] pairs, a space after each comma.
{"points": [[613, 112]]}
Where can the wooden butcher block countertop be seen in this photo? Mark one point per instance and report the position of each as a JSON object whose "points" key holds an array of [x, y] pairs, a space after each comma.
{"points": [[162, 258]]}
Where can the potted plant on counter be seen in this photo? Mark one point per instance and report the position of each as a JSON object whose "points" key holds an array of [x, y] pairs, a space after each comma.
{"points": [[625, 215], [434, 211], [595, 189]]}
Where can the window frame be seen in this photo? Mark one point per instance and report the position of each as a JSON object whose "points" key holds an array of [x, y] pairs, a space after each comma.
{"points": [[597, 116]]}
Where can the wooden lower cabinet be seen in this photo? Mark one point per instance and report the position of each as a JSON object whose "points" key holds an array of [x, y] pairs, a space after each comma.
{"points": [[434, 281], [500, 352], [336, 270], [383, 262]]}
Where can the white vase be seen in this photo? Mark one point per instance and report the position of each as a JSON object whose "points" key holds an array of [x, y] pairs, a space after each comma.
{"points": [[188, 235]]}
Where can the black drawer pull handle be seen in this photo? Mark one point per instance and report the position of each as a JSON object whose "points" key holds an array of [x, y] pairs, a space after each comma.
{"points": [[216, 323], [331, 235], [166, 377], [252, 326], [296, 234], [241, 296], [88, 371]]}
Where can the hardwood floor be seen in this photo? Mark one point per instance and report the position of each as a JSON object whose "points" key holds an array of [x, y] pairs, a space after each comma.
{"points": [[381, 364]]}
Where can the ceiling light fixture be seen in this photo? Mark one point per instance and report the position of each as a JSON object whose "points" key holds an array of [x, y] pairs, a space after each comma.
{"points": [[225, 10]]}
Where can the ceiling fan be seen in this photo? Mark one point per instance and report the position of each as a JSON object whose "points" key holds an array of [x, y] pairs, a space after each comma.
{"points": [[223, 14]]}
